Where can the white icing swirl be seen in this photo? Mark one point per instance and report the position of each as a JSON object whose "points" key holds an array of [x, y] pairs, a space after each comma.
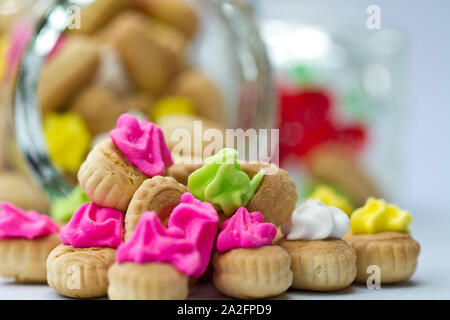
{"points": [[314, 220]]}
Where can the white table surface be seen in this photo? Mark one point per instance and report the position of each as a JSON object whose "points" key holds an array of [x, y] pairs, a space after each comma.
{"points": [[431, 280]]}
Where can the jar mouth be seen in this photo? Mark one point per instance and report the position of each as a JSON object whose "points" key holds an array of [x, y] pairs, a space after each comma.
{"points": [[255, 94], [27, 117]]}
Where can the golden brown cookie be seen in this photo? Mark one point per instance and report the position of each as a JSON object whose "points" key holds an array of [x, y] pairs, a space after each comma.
{"points": [[276, 196], [252, 273], [395, 253], [182, 137], [158, 194], [335, 165], [169, 38], [149, 281], [69, 70], [108, 178], [30, 197], [177, 13], [202, 91], [150, 62], [25, 260], [321, 265], [99, 107], [98, 13], [79, 273], [140, 101], [181, 171]]}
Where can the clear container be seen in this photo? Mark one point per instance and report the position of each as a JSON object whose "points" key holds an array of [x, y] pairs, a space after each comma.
{"points": [[359, 75], [227, 48]]}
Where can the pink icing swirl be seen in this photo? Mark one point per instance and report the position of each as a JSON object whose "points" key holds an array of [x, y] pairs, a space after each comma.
{"points": [[186, 243], [152, 242], [94, 226], [16, 223], [143, 144], [245, 230], [199, 221]]}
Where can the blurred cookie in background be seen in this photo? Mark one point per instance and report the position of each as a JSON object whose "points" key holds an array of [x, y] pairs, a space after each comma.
{"points": [[189, 135], [138, 101], [69, 70], [150, 63], [197, 86], [95, 15], [99, 107], [174, 12], [333, 164], [19, 190]]}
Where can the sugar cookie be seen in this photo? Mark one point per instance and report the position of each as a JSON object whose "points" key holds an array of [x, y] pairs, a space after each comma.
{"points": [[158, 194], [202, 91], [181, 171], [108, 178], [321, 261], [79, 273], [321, 265], [246, 265], [26, 239], [150, 281], [380, 236], [174, 12], [277, 195], [25, 260], [99, 107], [30, 195], [70, 69], [395, 253], [78, 268], [333, 164], [150, 63], [116, 167], [169, 256], [140, 101], [185, 134], [98, 13]]}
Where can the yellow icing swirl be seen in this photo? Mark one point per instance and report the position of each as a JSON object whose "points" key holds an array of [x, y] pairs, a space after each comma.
{"points": [[330, 197], [171, 105], [378, 216], [68, 139]]}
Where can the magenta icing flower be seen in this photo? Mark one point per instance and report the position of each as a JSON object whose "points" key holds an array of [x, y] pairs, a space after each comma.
{"points": [[17, 223], [186, 243], [199, 221], [152, 242], [94, 226], [143, 144], [245, 230]]}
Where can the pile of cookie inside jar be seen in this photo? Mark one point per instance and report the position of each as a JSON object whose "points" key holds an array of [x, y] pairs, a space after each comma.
{"points": [[141, 225]]}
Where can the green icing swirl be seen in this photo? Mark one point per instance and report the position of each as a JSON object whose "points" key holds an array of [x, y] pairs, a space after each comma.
{"points": [[222, 182], [63, 208]]}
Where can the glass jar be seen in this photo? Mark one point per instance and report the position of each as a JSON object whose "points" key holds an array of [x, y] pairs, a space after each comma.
{"points": [[226, 48], [341, 103]]}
